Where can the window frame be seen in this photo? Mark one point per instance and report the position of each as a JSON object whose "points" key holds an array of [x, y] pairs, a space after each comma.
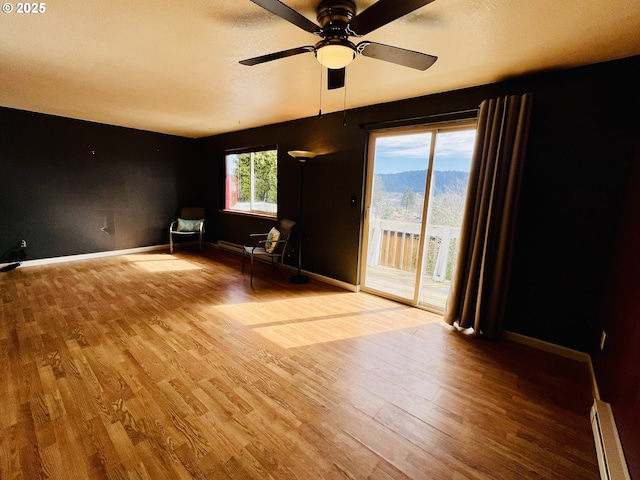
{"points": [[253, 210]]}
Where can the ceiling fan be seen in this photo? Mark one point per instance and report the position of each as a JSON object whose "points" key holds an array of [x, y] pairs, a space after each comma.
{"points": [[337, 21]]}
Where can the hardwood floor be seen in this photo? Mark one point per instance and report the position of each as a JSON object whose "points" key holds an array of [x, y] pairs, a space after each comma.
{"points": [[170, 367]]}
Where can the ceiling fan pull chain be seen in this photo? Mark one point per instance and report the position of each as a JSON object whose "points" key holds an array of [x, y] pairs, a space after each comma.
{"points": [[320, 108], [344, 106]]}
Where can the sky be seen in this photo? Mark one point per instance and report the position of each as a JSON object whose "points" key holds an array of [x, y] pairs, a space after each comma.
{"points": [[404, 153]]}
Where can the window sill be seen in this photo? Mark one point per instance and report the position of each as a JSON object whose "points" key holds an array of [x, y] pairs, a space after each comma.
{"points": [[249, 214]]}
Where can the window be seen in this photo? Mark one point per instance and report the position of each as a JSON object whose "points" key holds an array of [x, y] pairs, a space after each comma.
{"points": [[252, 182]]}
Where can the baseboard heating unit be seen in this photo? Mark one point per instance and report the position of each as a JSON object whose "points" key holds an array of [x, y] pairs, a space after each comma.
{"points": [[611, 461], [230, 247]]}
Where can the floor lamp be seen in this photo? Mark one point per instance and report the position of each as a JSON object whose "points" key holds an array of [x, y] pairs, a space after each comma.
{"points": [[302, 156]]}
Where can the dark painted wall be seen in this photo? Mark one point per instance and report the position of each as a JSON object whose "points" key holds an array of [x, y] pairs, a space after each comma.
{"points": [[576, 179], [617, 364], [331, 226], [72, 187], [577, 269]]}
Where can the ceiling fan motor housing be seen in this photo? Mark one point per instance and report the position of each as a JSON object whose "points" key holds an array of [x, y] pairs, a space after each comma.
{"points": [[334, 17]]}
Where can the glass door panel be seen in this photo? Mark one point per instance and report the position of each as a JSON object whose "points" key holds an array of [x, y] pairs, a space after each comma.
{"points": [[395, 214], [447, 194]]}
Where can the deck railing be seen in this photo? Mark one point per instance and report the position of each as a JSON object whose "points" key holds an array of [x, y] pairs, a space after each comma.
{"points": [[396, 244]]}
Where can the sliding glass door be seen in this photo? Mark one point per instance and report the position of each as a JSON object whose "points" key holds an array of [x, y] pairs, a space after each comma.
{"points": [[416, 190]]}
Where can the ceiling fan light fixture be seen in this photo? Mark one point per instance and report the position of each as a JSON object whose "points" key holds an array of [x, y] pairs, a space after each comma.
{"points": [[335, 54]]}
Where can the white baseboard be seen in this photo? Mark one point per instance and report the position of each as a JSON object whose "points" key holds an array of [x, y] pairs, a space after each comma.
{"points": [[328, 280], [235, 248], [546, 346], [228, 247], [611, 460], [87, 256], [557, 350]]}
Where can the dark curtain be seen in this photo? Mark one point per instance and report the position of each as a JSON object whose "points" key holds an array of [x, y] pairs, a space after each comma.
{"points": [[480, 284]]}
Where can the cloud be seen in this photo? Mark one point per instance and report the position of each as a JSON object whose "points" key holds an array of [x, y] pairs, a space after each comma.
{"points": [[414, 145], [456, 143], [401, 153]]}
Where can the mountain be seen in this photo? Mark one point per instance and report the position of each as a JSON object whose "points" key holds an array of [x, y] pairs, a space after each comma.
{"points": [[415, 180]]}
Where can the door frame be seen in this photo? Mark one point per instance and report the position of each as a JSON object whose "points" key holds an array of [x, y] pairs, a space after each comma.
{"points": [[434, 129]]}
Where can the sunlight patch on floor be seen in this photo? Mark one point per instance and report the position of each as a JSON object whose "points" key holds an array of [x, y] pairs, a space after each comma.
{"points": [[305, 321], [261, 313], [322, 331], [161, 262]]}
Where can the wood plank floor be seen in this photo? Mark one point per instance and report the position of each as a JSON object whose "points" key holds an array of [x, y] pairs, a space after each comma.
{"points": [[172, 367]]}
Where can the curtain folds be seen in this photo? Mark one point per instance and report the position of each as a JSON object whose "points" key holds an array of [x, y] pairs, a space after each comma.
{"points": [[478, 294]]}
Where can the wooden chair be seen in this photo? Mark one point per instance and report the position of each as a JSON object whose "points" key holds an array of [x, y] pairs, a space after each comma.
{"points": [[271, 246]]}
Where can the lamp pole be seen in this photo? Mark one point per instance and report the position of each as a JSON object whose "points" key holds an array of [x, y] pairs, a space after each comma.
{"points": [[302, 156]]}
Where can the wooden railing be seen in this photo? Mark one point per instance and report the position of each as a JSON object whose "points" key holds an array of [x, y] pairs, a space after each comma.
{"points": [[396, 244]]}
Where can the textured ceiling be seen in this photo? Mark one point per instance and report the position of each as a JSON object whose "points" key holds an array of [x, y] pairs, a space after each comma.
{"points": [[172, 67]]}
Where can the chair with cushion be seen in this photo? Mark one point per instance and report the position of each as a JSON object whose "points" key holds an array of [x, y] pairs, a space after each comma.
{"points": [[270, 245], [189, 224]]}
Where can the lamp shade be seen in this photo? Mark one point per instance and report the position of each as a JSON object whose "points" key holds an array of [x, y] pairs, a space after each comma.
{"points": [[335, 54], [302, 155]]}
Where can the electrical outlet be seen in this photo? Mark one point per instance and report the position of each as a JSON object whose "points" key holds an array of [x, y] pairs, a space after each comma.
{"points": [[603, 337]]}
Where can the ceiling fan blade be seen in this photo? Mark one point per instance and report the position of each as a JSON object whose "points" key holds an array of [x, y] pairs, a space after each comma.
{"points": [[399, 56], [335, 78], [275, 56], [381, 13], [289, 14]]}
